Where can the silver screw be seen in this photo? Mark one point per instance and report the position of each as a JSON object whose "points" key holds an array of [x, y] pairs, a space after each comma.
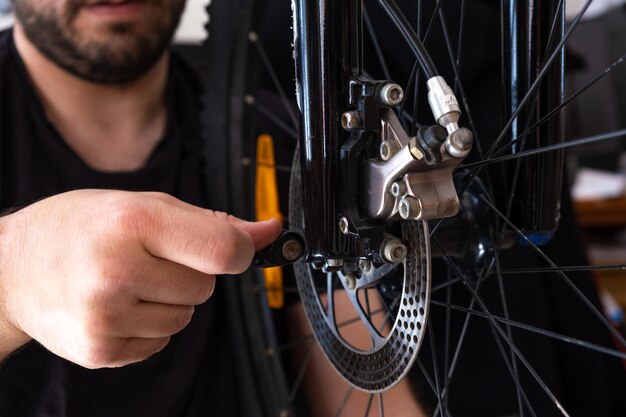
{"points": [[398, 189], [292, 250], [351, 120], [394, 251], [388, 148], [365, 265], [410, 207], [343, 225], [350, 280], [391, 94]]}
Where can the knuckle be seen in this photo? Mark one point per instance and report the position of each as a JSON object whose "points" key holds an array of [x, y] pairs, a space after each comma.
{"points": [[128, 214], [232, 253], [97, 355]]}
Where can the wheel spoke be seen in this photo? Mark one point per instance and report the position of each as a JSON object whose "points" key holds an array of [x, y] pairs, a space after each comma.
{"points": [[254, 38], [272, 117], [547, 333], [580, 268], [505, 310], [459, 82], [369, 405], [550, 148], [561, 274], [344, 401], [503, 335], [301, 372], [376, 44]]}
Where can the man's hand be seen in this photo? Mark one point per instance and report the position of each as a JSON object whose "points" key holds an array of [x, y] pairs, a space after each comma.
{"points": [[104, 278]]}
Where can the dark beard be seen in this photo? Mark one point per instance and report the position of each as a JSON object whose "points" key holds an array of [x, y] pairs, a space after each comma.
{"points": [[121, 59]]}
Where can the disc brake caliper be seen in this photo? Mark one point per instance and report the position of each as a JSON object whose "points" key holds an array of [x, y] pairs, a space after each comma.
{"points": [[411, 179]]}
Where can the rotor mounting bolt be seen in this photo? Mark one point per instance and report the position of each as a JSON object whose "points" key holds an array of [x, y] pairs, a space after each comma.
{"points": [[344, 226], [292, 250], [350, 280], [459, 143], [333, 265], [391, 94], [365, 265], [398, 189], [351, 120], [410, 208], [394, 251]]}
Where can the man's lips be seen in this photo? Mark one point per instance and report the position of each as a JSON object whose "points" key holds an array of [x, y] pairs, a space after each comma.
{"points": [[115, 7]]}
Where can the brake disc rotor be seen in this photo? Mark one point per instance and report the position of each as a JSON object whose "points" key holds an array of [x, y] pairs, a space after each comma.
{"points": [[390, 357]]}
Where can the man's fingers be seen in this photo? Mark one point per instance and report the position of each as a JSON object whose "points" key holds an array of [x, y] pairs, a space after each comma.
{"points": [[152, 320], [197, 240], [262, 233], [166, 282]]}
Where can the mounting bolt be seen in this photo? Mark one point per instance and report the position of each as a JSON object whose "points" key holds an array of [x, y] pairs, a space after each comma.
{"points": [[350, 280], [459, 143], [391, 94], [398, 189], [343, 226], [292, 250], [365, 265], [393, 250], [333, 265], [410, 207], [388, 148], [351, 120]]}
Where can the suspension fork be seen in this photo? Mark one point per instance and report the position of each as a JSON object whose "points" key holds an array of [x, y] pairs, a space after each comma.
{"points": [[328, 49], [531, 31]]}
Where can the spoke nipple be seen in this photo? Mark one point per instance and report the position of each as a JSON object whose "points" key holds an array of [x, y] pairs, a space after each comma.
{"points": [[344, 226], [410, 208], [391, 94], [292, 250], [394, 251], [248, 99]]}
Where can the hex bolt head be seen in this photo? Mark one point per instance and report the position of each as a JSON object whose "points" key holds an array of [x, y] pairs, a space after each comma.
{"points": [[398, 189], [350, 280], [292, 250], [388, 148], [344, 226], [410, 208], [351, 120], [365, 265], [391, 94], [394, 251]]}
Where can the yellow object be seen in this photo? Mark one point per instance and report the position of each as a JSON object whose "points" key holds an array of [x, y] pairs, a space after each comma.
{"points": [[267, 207]]}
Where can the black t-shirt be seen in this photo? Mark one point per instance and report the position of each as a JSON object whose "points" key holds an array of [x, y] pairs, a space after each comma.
{"points": [[190, 377]]}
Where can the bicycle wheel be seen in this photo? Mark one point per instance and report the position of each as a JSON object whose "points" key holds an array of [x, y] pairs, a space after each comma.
{"points": [[499, 339]]}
